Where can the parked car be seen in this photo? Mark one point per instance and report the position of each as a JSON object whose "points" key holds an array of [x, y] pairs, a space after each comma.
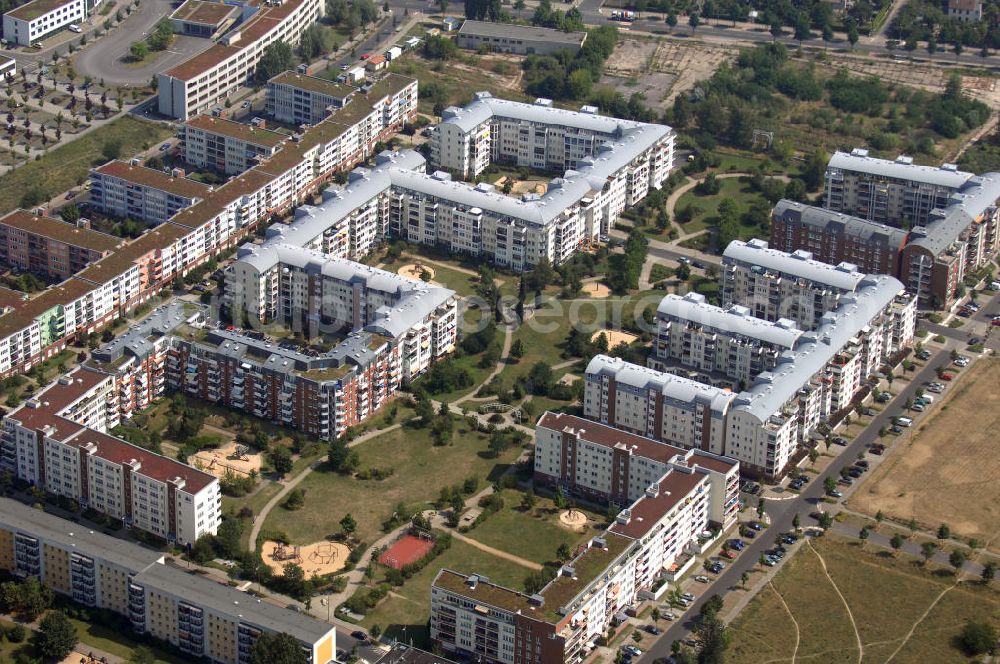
{"points": [[653, 629], [689, 596], [729, 554], [878, 451], [861, 463], [846, 481], [756, 525], [947, 376], [835, 493], [904, 421], [73, 27], [919, 407], [839, 440], [164, 147], [667, 615], [632, 650], [854, 472], [701, 578]]}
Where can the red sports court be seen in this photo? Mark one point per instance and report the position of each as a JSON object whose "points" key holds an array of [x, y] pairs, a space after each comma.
{"points": [[407, 549]]}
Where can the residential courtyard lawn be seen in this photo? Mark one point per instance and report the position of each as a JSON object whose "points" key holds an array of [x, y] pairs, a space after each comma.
{"points": [[403, 614], [114, 642], [886, 596], [68, 165], [421, 469], [736, 189], [533, 535]]}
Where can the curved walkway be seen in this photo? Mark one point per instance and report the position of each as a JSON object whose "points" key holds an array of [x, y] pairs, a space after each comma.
{"points": [[795, 651], [847, 607], [517, 560]]}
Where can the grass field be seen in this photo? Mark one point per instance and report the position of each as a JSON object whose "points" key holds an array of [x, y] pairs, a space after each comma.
{"points": [[67, 166], [114, 642], [403, 615], [730, 188], [940, 477], [534, 535], [886, 597], [421, 470]]}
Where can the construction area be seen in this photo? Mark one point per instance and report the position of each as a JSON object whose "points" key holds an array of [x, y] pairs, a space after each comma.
{"points": [[316, 559], [940, 477], [231, 457]]}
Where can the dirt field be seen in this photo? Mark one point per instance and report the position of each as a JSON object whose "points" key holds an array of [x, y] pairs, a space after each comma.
{"points": [[615, 337], [317, 558], [949, 472], [596, 289], [224, 458], [921, 76]]}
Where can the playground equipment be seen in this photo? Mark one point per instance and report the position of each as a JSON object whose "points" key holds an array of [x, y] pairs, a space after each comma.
{"points": [[283, 552], [323, 554], [242, 453], [494, 407]]}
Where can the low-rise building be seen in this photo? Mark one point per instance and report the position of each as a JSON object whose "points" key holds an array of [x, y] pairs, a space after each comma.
{"points": [[201, 18], [130, 190], [775, 284], [202, 618], [967, 11], [8, 67], [299, 99], [228, 147], [518, 39], [48, 246], [35, 20]]}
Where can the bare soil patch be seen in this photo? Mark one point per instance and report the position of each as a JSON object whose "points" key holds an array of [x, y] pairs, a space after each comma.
{"points": [[414, 270], [226, 458], [597, 289], [948, 472], [615, 337], [318, 558]]}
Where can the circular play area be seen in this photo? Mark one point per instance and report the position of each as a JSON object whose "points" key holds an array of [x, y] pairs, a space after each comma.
{"points": [[575, 520], [414, 270], [615, 337], [596, 289], [318, 558]]}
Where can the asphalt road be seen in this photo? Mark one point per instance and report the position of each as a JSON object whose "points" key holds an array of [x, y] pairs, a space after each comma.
{"points": [[781, 513]]}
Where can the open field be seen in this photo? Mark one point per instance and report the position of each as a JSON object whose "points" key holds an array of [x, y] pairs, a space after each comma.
{"points": [[420, 470], [941, 477], [886, 597], [68, 165], [534, 535], [403, 614]]}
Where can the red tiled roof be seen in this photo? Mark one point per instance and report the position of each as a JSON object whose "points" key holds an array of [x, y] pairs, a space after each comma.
{"points": [[606, 436], [712, 462], [56, 398], [150, 177]]}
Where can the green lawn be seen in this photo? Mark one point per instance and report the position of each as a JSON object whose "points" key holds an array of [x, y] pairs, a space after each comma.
{"points": [[730, 188], [114, 642], [68, 165], [405, 617], [534, 535], [421, 469], [886, 596]]}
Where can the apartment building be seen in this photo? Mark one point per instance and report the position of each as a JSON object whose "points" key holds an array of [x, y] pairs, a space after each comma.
{"points": [[957, 238], [539, 135], [654, 404], [897, 193], [8, 68], [57, 441], [835, 238], [718, 343], [129, 190], [609, 465], [299, 99], [203, 618], [48, 246], [967, 11], [474, 618], [776, 285], [209, 77], [227, 147], [32, 21], [519, 39]]}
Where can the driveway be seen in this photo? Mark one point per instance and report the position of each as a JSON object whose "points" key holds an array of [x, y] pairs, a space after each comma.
{"points": [[104, 58]]}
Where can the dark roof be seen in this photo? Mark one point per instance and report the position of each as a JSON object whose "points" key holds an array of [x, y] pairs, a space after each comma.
{"points": [[21, 316], [606, 436], [150, 177], [205, 13], [243, 132], [57, 229], [674, 487], [523, 32], [400, 653]]}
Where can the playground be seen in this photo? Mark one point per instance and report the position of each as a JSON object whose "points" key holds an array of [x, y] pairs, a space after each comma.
{"points": [[318, 558], [414, 270], [231, 457], [574, 520], [596, 289], [615, 337], [521, 187]]}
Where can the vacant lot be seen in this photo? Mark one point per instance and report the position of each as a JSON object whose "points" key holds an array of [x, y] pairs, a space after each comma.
{"points": [[420, 470], [885, 596], [947, 472], [67, 166]]}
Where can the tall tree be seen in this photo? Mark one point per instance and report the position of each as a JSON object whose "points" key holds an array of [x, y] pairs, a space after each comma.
{"points": [[277, 649], [56, 636], [277, 57]]}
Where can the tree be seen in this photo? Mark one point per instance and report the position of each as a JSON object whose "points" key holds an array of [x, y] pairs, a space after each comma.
{"points": [[825, 520], [142, 655], [744, 578], [70, 213], [312, 43], [879, 517], [927, 550], [280, 648], [112, 149], [348, 524], [989, 571], [56, 636], [713, 638], [863, 535], [138, 51], [829, 484], [978, 638], [280, 458], [957, 48], [711, 607], [694, 21], [957, 558], [852, 34], [563, 552], [443, 6], [796, 521], [943, 531], [896, 542], [277, 57], [760, 508], [528, 500]]}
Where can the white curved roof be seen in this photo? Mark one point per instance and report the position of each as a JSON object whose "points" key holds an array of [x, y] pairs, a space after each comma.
{"points": [[669, 385], [736, 320], [798, 264]]}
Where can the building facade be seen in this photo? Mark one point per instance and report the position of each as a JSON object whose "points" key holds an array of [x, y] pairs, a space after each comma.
{"points": [[202, 618], [50, 247], [131, 191], [299, 99], [227, 147], [32, 21], [519, 39]]}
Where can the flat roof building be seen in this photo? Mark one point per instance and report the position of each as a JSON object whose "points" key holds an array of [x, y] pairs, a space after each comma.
{"points": [[519, 39], [132, 191], [228, 147], [299, 99], [35, 20], [203, 18]]}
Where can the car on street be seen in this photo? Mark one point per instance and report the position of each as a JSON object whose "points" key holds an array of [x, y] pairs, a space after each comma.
{"points": [[359, 635], [835, 493], [164, 147], [73, 27], [729, 554], [653, 629], [684, 259], [701, 578]]}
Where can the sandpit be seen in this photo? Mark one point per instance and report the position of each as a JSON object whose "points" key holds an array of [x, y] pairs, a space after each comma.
{"points": [[228, 457], [596, 289], [414, 270], [575, 520], [615, 337], [318, 558]]}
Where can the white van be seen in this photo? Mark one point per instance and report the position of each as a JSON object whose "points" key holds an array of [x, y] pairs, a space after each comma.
{"points": [[904, 421], [928, 398]]}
